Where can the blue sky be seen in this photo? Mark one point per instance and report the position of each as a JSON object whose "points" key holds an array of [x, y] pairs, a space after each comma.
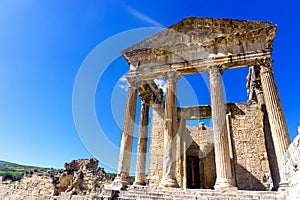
{"points": [[43, 44]]}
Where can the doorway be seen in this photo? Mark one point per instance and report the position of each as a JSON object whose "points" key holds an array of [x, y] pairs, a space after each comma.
{"points": [[193, 175]]}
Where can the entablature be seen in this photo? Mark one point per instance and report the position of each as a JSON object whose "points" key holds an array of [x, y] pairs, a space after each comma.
{"points": [[199, 66]]}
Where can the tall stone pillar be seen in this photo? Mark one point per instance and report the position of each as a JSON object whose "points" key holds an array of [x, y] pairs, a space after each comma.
{"points": [[169, 163], [127, 134], [278, 126], [140, 178], [266, 127], [183, 149], [222, 157]]}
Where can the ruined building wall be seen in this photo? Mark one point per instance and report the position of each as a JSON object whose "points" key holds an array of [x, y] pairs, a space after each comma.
{"points": [[292, 168], [252, 171], [155, 167], [250, 159], [201, 145]]}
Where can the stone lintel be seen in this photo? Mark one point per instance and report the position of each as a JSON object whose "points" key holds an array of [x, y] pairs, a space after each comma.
{"points": [[194, 112], [158, 70]]}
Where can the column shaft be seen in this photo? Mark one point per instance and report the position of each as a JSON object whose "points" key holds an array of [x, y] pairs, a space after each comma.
{"points": [[169, 178], [222, 157], [126, 141], [278, 126], [183, 149], [140, 178]]}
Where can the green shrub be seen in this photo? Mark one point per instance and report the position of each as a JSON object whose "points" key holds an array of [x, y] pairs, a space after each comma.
{"points": [[12, 176]]}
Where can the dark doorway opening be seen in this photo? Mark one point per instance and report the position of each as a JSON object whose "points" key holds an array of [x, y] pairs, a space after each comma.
{"points": [[193, 175], [201, 172]]}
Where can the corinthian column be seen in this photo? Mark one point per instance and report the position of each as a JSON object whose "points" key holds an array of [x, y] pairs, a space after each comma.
{"points": [[169, 178], [127, 134], [222, 157], [266, 127], [140, 178], [278, 126]]}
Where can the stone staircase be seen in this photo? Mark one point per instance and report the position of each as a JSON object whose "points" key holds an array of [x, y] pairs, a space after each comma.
{"points": [[145, 193]]}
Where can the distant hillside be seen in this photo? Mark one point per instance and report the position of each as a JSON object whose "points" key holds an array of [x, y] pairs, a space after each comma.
{"points": [[8, 166], [14, 172]]}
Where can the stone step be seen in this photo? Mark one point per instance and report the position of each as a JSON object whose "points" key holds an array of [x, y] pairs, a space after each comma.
{"points": [[146, 193]]}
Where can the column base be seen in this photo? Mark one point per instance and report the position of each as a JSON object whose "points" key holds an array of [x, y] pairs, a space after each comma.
{"points": [[283, 186], [169, 183], [139, 183], [224, 185], [121, 180]]}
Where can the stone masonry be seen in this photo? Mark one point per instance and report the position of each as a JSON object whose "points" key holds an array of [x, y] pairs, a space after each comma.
{"points": [[81, 179], [250, 158], [244, 148], [81, 176]]}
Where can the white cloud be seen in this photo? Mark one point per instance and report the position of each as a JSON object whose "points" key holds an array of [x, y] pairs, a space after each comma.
{"points": [[123, 79], [123, 83], [161, 83], [143, 17]]}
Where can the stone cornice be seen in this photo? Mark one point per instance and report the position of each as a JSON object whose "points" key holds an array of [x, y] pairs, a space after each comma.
{"points": [[220, 25], [197, 39], [201, 65]]}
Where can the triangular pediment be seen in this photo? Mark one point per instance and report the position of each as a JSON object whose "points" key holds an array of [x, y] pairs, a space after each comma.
{"points": [[194, 39]]}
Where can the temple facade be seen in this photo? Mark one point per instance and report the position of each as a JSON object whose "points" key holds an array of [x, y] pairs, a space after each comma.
{"points": [[244, 149]]}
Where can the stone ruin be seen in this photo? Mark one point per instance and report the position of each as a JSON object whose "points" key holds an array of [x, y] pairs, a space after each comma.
{"points": [[292, 168], [81, 176], [245, 147]]}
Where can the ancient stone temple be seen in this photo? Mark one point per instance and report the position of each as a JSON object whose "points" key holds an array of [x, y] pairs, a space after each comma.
{"points": [[244, 149]]}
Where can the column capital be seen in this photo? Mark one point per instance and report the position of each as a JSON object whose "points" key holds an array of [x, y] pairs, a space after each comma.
{"points": [[132, 81], [173, 75], [215, 70], [265, 64], [145, 97], [143, 103]]}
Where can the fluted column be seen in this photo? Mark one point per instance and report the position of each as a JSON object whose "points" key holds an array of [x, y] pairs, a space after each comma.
{"points": [[278, 126], [183, 150], [222, 157], [169, 164], [266, 128], [127, 134], [140, 178]]}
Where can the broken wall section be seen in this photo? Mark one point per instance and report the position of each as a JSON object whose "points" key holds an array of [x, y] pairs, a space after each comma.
{"points": [[292, 168]]}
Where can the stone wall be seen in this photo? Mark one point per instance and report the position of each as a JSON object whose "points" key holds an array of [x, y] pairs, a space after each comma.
{"points": [[203, 137], [292, 168], [156, 147], [250, 160], [81, 176], [251, 165], [34, 187], [81, 179], [200, 144]]}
